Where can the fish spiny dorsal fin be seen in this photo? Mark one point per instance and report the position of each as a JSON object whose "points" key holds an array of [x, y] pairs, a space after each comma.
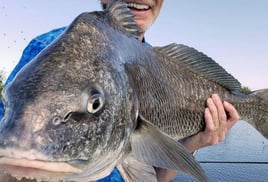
{"points": [[121, 13], [199, 63]]}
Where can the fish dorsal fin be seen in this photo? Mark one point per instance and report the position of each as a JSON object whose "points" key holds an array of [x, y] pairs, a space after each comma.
{"points": [[119, 11], [199, 63]]}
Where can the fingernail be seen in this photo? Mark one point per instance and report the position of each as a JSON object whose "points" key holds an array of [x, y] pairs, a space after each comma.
{"points": [[215, 96], [226, 103]]}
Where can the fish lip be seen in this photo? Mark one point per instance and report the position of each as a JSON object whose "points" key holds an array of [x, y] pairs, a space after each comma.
{"points": [[31, 173], [50, 167]]}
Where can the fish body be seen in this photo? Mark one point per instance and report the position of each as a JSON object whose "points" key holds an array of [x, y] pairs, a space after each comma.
{"points": [[175, 87], [97, 98]]}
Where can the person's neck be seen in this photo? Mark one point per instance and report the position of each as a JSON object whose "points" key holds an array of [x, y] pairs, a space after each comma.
{"points": [[141, 37]]}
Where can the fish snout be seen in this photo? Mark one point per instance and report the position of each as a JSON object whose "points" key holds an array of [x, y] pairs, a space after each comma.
{"points": [[6, 136], [13, 133]]}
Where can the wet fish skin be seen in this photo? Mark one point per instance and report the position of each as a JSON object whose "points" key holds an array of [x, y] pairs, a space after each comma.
{"points": [[180, 80], [71, 114], [48, 112], [97, 95]]}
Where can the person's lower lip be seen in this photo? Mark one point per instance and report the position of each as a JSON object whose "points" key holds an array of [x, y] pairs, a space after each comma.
{"points": [[139, 12]]}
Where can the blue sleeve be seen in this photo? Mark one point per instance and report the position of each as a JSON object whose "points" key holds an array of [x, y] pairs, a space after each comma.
{"points": [[113, 177], [1, 109], [34, 47]]}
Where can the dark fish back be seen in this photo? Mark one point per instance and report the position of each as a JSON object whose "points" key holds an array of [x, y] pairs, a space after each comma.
{"points": [[173, 89]]}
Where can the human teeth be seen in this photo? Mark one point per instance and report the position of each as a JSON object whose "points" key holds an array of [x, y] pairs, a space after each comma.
{"points": [[138, 6]]}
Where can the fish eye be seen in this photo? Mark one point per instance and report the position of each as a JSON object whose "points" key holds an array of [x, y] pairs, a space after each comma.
{"points": [[95, 103]]}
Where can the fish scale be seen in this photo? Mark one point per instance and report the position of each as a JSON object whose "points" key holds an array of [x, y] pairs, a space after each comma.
{"points": [[186, 94], [97, 98]]}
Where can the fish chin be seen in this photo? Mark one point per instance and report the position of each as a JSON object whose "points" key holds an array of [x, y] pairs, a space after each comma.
{"points": [[31, 173], [55, 171], [33, 169]]}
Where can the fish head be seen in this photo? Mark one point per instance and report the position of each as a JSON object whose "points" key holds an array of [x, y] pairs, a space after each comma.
{"points": [[69, 113]]}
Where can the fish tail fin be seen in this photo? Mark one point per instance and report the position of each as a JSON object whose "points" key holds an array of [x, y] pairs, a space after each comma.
{"points": [[260, 114]]}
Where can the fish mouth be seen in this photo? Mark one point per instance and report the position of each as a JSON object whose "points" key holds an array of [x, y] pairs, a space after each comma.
{"points": [[35, 169]]}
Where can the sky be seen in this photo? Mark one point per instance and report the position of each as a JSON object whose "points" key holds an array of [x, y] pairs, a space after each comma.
{"points": [[232, 32]]}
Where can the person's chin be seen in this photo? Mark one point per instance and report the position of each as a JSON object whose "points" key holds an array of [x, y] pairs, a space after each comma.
{"points": [[142, 24]]}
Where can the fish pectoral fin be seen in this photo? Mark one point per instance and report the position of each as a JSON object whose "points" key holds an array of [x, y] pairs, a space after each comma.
{"points": [[133, 170], [155, 148]]}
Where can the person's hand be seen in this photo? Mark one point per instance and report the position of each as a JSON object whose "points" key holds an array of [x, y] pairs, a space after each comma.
{"points": [[219, 118], [218, 123]]}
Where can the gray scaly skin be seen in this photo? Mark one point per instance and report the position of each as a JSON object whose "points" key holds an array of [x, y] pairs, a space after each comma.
{"points": [[71, 104], [174, 88], [71, 114], [97, 98]]}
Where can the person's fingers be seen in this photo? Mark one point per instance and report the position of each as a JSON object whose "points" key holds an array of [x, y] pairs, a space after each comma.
{"points": [[222, 118], [209, 121], [233, 115], [213, 112]]}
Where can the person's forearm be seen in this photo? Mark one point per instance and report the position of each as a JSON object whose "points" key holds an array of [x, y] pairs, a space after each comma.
{"points": [[189, 144]]}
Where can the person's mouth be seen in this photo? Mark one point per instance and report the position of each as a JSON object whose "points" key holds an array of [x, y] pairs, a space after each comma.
{"points": [[138, 7]]}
